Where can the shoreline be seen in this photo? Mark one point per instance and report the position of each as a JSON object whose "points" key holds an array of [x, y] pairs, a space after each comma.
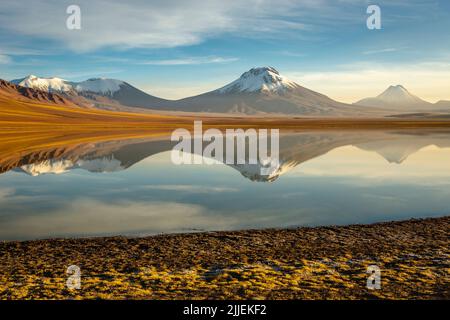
{"points": [[220, 232], [296, 263]]}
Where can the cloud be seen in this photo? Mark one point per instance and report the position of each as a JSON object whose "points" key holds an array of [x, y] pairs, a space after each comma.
{"points": [[93, 218], [380, 51], [4, 59], [190, 61], [88, 73], [167, 24], [191, 188], [172, 23], [19, 51], [6, 192], [150, 24], [288, 53]]}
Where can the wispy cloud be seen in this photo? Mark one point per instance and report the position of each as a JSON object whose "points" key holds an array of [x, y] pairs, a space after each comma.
{"points": [[4, 59], [83, 74], [288, 53], [20, 51], [87, 217], [189, 61], [6, 192], [191, 188], [159, 24], [380, 51]]}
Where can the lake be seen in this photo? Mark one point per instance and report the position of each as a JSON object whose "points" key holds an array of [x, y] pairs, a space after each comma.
{"points": [[131, 187]]}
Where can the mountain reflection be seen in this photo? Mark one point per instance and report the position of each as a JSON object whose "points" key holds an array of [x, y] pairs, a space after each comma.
{"points": [[131, 187], [295, 149]]}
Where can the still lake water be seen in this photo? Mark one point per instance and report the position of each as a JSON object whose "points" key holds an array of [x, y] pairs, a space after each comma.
{"points": [[131, 187]]}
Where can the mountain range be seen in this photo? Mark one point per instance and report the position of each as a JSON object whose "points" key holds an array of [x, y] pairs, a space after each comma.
{"points": [[96, 92], [258, 91], [11, 91]]}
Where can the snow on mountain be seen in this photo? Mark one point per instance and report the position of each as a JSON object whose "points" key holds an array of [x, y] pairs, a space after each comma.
{"points": [[44, 84], [265, 79], [94, 91], [99, 85], [96, 85], [253, 171], [264, 90], [395, 97], [261, 90], [105, 164], [47, 167], [16, 92]]}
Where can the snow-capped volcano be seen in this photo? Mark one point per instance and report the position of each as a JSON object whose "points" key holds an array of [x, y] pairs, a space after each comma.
{"points": [[105, 164], [265, 90], [253, 171], [97, 85], [265, 79], [45, 84], [395, 97], [94, 90]]}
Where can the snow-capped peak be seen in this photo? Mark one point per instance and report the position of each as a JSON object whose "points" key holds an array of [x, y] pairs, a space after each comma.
{"points": [[253, 171], [95, 85], [99, 85], [105, 164], [264, 79], [45, 84]]}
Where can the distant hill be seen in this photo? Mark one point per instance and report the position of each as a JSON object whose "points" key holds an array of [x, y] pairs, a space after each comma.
{"points": [[396, 98], [443, 104]]}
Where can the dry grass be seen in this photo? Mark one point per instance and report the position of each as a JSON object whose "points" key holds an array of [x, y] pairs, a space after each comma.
{"points": [[305, 263], [20, 116]]}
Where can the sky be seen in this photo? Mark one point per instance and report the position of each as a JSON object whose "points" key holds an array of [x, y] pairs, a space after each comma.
{"points": [[178, 48]]}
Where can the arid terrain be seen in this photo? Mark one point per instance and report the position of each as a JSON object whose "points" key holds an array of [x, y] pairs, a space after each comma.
{"points": [[303, 263], [242, 150]]}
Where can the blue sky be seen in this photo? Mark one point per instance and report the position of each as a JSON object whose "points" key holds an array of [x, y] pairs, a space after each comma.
{"points": [[179, 48]]}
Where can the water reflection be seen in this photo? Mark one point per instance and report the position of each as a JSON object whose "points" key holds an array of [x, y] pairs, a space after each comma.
{"points": [[323, 178]]}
